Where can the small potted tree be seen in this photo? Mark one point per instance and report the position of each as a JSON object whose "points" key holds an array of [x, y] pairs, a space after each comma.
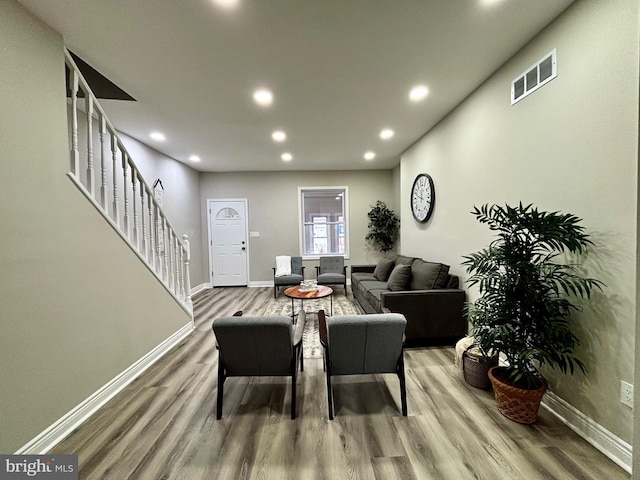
{"points": [[384, 226], [526, 299]]}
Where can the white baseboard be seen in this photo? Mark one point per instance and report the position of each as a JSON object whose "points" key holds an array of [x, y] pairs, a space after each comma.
{"points": [[619, 451], [200, 288], [54, 434]]}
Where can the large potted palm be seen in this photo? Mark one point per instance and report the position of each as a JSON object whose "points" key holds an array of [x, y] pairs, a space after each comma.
{"points": [[527, 293]]}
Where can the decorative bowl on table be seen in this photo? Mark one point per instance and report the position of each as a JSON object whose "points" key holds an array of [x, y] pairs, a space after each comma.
{"points": [[308, 285]]}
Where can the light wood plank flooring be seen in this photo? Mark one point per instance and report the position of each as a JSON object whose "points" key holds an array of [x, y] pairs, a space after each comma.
{"points": [[163, 425]]}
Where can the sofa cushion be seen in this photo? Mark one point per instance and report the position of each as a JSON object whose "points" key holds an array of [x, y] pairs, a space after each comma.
{"points": [[331, 278], [391, 255], [399, 278], [362, 276], [383, 269], [292, 279], [402, 260], [428, 275], [365, 285], [373, 297]]}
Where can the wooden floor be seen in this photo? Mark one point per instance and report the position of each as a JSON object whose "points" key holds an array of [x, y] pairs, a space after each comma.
{"points": [[163, 425]]}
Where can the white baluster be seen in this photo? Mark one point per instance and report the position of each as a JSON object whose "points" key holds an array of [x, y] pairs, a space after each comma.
{"points": [[75, 155], [176, 265], [125, 166], [103, 161], [90, 173], [152, 235], [114, 156], [167, 245], [180, 262], [170, 272], [134, 184], [143, 244], [187, 276], [160, 241]]}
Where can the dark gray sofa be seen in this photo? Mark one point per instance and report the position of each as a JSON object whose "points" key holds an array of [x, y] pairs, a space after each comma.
{"points": [[424, 292]]}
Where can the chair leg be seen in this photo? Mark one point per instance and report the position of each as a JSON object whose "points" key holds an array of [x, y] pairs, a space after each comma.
{"points": [[293, 393], [403, 384], [297, 356], [327, 366], [221, 379], [275, 291], [301, 358]]}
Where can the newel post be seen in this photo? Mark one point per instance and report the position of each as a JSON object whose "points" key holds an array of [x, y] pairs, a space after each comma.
{"points": [[187, 279]]}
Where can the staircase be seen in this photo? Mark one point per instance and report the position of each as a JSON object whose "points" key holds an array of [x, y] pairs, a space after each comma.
{"points": [[106, 174]]}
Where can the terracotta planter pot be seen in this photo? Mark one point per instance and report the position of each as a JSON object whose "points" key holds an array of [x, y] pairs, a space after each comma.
{"points": [[517, 404]]}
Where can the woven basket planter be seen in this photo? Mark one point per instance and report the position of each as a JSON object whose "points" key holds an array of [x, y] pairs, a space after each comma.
{"points": [[475, 368], [517, 404]]}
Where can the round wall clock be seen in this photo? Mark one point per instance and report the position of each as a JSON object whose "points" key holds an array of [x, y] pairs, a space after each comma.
{"points": [[423, 196]]}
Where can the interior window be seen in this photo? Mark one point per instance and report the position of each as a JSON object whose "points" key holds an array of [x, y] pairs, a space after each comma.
{"points": [[323, 224]]}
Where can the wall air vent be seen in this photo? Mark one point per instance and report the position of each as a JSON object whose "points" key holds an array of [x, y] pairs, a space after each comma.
{"points": [[543, 71]]}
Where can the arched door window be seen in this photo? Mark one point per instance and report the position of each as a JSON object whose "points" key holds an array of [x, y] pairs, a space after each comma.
{"points": [[227, 213]]}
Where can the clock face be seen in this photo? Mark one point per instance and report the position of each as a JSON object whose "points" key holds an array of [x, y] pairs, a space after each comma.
{"points": [[423, 197]]}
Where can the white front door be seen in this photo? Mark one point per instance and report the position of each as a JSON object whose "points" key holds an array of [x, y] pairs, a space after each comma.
{"points": [[228, 242]]}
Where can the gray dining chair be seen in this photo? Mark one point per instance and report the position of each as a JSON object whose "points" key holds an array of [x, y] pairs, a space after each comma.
{"points": [[258, 346], [361, 345], [296, 276], [332, 271]]}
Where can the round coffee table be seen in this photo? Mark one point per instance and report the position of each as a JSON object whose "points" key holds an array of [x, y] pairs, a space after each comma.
{"points": [[321, 292]]}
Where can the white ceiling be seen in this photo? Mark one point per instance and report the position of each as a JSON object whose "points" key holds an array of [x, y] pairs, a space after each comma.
{"points": [[340, 71]]}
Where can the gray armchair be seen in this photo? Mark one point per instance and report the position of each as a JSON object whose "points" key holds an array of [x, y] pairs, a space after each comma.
{"points": [[258, 346], [363, 344], [332, 271], [297, 276]]}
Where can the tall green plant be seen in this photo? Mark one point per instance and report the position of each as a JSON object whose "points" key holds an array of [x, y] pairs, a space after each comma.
{"points": [[524, 304], [384, 226]]}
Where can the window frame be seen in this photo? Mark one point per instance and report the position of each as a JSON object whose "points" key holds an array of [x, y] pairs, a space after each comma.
{"points": [[345, 214]]}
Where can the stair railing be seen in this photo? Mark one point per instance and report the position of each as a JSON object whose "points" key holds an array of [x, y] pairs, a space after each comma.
{"points": [[116, 188]]}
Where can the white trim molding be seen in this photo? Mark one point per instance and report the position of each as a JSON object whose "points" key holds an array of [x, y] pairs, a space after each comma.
{"points": [[619, 451], [200, 288], [55, 433]]}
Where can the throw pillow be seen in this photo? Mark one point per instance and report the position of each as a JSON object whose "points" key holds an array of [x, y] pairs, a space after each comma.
{"points": [[383, 269], [404, 260], [428, 275], [399, 278]]}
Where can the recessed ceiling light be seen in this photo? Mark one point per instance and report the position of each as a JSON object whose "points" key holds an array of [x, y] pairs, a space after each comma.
{"points": [[263, 97], [287, 157], [417, 93], [279, 136], [386, 134], [226, 3], [194, 158], [158, 136], [369, 156]]}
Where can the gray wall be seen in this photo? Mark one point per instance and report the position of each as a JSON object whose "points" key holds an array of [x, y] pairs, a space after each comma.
{"points": [[71, 320], [273, 211], [570, 146], [181, 202]]}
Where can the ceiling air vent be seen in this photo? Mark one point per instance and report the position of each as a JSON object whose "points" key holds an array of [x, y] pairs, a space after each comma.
{"points": [[543, 71]]}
